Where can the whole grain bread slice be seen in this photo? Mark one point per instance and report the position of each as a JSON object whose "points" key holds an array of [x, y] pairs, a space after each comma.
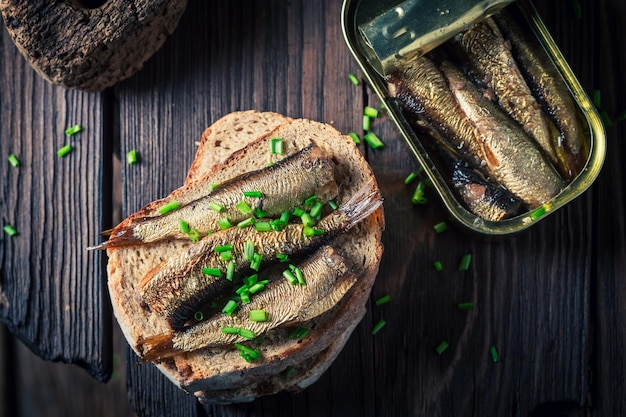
{"points": [[238, 143]]}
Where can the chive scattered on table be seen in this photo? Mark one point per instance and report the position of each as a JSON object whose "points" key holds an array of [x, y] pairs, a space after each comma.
{"points": [[61, 152], [441, 347], [440, 227], [72, 130], [131, 157], [465, 262], [383, 300], [494, 354], [466, 306], [9, 230], [370, 112], [373, 140], [438, 266], [14, 161], [355, 137], [367, 122], [378, 326], [409, 178], [353, 79], [418, 195], [168, 207]]}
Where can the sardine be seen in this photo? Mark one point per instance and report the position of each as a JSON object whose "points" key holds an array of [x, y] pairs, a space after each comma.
{"points": [[512, 158], [547, 83], [328, 279], [423, 92], [178, 288], [283, 185], [490, 57]]}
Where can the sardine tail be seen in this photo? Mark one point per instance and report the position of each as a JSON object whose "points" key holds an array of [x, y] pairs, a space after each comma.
{"points": [[158, 347], [363, 203], [119, 238]]}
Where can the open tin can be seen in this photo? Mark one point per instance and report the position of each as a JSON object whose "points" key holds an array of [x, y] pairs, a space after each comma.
{"points": [[361, 16]]}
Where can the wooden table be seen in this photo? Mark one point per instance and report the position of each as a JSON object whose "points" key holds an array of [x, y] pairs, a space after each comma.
{"points": [[550, 299]]}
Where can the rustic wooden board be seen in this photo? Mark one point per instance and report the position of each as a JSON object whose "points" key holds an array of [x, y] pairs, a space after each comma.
{"points": [[51, 289]]}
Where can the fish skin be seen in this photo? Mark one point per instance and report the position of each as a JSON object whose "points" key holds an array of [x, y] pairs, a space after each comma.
{"points": [[327, 277], [284, 185], [178, 288], [512, 158], [422, 90], [491, 59], [543, 78]]}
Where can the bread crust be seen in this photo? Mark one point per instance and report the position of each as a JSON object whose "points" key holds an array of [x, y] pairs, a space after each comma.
{"points": [[220, 375]]}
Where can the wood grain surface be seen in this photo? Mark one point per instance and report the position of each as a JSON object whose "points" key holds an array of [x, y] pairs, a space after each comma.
{"points": [[548, 299]]}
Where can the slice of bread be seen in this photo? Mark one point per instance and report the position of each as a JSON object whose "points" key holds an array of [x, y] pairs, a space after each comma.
{"points": [[238, 143]]}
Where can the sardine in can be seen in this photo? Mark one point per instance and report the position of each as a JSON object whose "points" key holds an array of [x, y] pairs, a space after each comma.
{"points": [[485, 102]]}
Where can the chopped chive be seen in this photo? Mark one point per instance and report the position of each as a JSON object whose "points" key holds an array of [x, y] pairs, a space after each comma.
{"points": [[307, 220], [194, 235], [216, 207], [183, 226], [441, 347], [259, 286], [248, 250], [244, 207], [263, 226], [9, 230], [494, 354], [355, 137], [255, 194], [230, 330], [297, 211], [284, 217], [226, 255], [370, 111], [224, 223], [168, 207], [282, 257], [299, 333], [383, 300], [311, 231], [14, 161], [378, 326], [198, 316], [538, 213], [276, 146], [289, 371], [373, 140], [131, 157], [213, 186], [410, 178], [316, 210], [596, 98], [277, 225], [353, 79], [260, 213], [299, 276], [606, 119], [367, 123], [333, 205], [256, 261], [466, 306], [248, 354], [242, 289], [438, 266], [214, 272], [290, 277], [465, 262], [245, 223], [230, 270], [258, 315], [64, 150], [72, 130], [310, 200], [418, 195], [248, 334], [229, 308], [245, 297], [223, 248], [441, 227], [251, 280]]}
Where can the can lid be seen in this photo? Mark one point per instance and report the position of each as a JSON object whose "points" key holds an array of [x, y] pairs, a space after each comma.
{"points": [[413, 27]]}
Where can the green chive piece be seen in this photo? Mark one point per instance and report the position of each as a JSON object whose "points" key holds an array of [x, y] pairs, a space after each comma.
{"points": [[370, 111], [367, 123], [307, 220], [297, 211], [596, 98], [438, 266], [373, 140], [183, 226], [410, 178], [289, 371], [198, 316], [308, 231], [14, 161], [378, 326], [258, 315], [248, 250], [282, 257], [465, 262], [290, 277], [245, 297], [245, 223], [333, 205], [194, 235], [383, 300], [224, 223], [276, 146], [259, 286], [540, 211], [494, 354], [214, 272], [441, 227], [168, 207], [64, 150], [606, 119], [230, 270], [244, 207], [441, 347], [316, 210], [254, 194], [229, 309], [251, 280], [263, 226], [466, 306], [299, 333], [284, 217], [256, 261], [418, 195], [10, 230], [299, 276], [355, 137], [260, 213], [310, 200], [226, 256], [131, 157], [248, 334], [223, 248], [216, 207], [353, 79], [230, 330], [213, 186], [72, 130], [248, 354]]}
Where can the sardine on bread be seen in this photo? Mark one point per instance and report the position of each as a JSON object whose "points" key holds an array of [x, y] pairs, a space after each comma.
{"points": [[237, 144]]}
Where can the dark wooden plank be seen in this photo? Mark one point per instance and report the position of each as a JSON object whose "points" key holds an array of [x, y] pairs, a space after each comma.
{"points": [[51, 289]]}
